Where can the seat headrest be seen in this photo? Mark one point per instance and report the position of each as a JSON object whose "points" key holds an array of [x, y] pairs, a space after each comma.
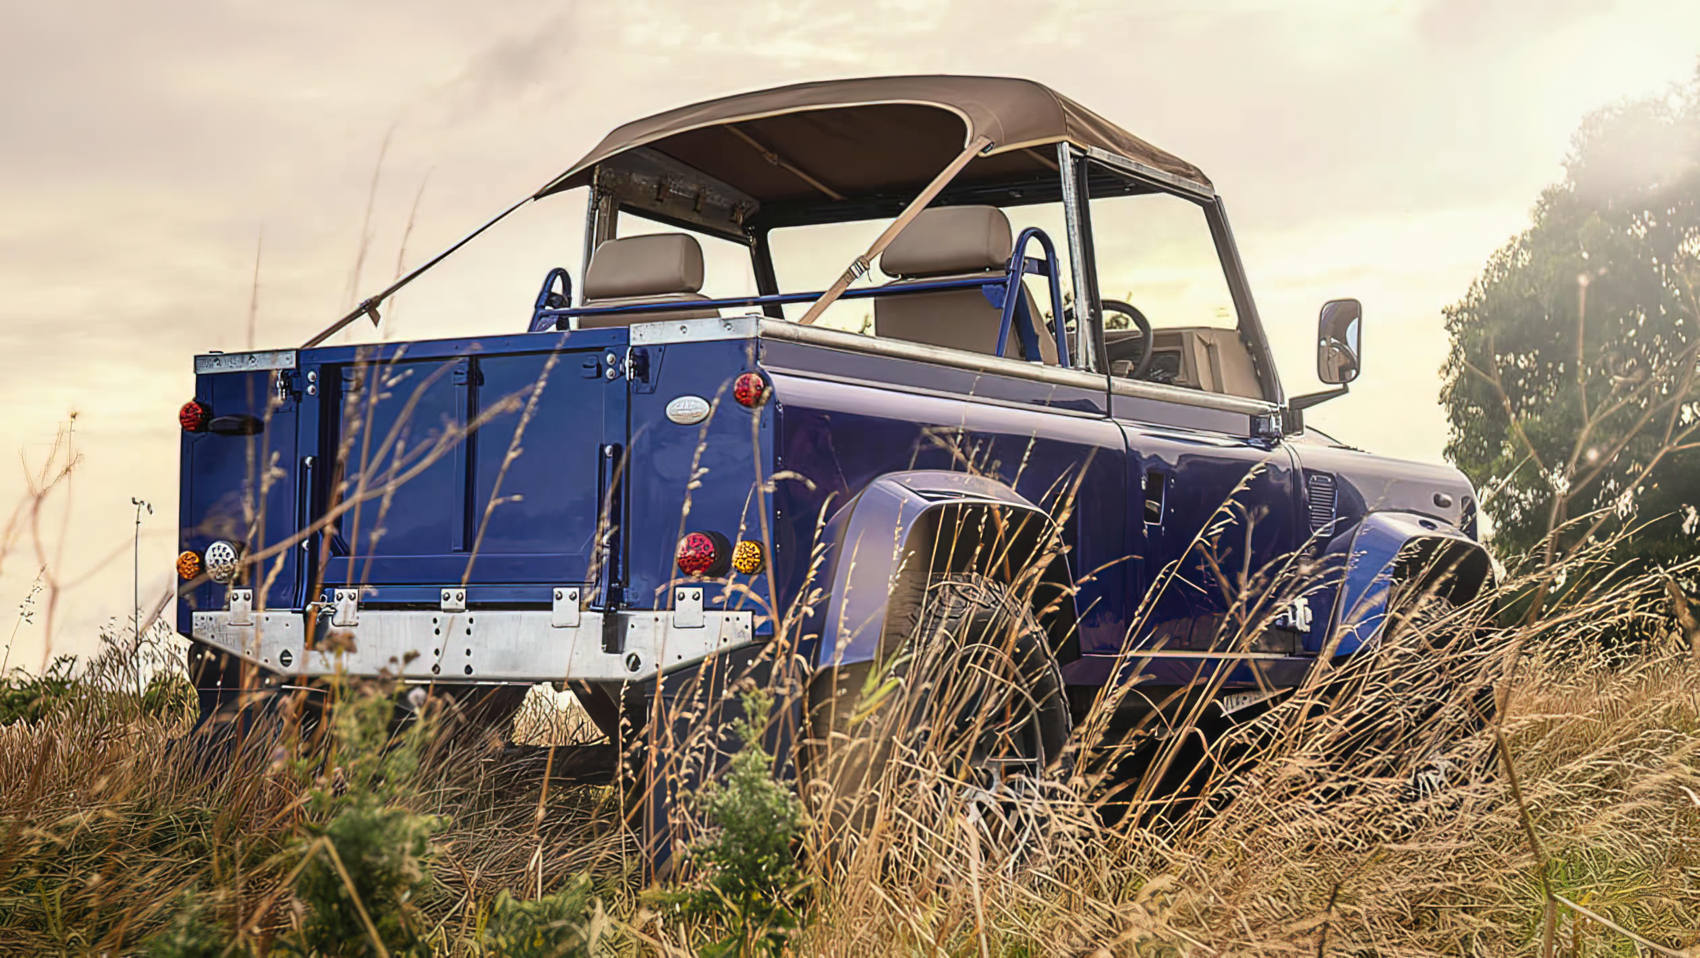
{"points": [[644, 266], [950, 239]]}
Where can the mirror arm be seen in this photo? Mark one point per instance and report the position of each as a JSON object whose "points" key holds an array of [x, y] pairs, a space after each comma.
{"points": [[1300, 403]]}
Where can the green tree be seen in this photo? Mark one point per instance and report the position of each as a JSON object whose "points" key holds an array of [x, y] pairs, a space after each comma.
{"points": [[1571, 381]]}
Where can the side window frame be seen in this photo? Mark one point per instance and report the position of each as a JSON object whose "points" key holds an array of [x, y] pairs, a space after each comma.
{"points": [[1075, 166]]}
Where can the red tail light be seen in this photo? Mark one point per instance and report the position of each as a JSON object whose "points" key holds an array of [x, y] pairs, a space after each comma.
{"points": [[193, 416], [704, 553], [749, 389]]}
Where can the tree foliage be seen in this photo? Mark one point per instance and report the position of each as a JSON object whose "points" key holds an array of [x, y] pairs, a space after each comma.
{"points": [[1571, 381]]}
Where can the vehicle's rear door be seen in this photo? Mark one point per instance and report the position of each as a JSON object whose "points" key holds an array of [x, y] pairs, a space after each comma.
{"points": [[485, 462]]}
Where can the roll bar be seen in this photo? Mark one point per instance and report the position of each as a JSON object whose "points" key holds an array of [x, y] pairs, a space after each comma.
{"points": [[1002, 289]]}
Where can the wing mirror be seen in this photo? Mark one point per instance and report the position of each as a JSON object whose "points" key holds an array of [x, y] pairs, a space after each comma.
{"points": [[1339, 341]]}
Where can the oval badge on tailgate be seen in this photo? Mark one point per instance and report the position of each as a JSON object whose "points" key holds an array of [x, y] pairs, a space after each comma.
{"points": [[688, 410]]}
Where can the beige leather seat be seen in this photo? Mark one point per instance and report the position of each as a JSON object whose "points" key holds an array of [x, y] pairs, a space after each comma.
{"points": [[954, 242], [639, 270]]}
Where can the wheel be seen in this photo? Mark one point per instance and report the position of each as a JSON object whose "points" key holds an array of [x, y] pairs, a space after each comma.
{"points": [[1405, 707], [968, 718]]}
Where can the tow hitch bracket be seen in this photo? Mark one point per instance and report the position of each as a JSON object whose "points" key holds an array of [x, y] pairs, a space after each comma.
{"points": [[687, 608]]}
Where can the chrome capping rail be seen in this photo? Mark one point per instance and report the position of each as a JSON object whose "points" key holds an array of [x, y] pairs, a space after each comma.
{"points": [[980, 362], [702, 330], [245, 361], [921, 352], [1141, 389]]}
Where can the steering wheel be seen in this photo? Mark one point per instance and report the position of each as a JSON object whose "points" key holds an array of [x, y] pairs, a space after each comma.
{"points": [[1139, 320]]}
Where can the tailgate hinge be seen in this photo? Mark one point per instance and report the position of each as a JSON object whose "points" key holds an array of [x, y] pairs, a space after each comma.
{"points": [[241, 606], [345, 608], [452, 600], [564, 613], [687, 607]]}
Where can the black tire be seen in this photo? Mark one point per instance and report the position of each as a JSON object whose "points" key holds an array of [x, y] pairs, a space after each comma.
{"points": [[971, 699]]}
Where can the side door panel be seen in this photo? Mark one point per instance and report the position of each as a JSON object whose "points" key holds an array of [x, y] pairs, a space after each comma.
{"points": [[1211, 516]]}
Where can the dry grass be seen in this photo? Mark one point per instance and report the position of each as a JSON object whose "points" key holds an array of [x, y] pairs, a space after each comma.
{"points": [[1289, 850]]}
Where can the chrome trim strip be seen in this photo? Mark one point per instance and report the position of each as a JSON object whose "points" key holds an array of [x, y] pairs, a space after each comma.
{"points": [[703, 330], [1151, 173], [245, 362], [921, 352], [796, 372], [1160, 392], [1184, 654]]}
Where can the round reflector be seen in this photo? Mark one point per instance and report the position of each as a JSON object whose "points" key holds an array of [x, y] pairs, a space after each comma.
{"points": [[188, 564], [193, 416], [750, 389], [748, 558], [703, 553], [221, 561]]}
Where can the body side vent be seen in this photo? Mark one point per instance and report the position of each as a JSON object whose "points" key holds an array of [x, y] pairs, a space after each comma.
{"points": [[1321, 497]]}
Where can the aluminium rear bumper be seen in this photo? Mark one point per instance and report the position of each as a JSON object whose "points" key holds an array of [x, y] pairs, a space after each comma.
{"points": [[494, 645]]}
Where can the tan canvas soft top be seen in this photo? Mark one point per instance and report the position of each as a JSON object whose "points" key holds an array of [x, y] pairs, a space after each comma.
{"points": [[853, 137]]}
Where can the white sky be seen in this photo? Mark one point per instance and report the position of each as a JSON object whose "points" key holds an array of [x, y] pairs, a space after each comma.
{"points": [[1372, 149]]}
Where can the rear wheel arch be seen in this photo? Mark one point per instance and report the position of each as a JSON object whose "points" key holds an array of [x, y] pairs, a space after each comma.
{"points": [[1018, 548], [903, 532], [903, 526]]}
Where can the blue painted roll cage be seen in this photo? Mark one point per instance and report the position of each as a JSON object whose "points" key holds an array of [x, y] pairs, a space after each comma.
{"points": [[998, 287]]}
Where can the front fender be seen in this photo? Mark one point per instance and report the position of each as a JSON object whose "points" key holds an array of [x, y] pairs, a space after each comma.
{"points": [[873, 539], [1372, 555]]}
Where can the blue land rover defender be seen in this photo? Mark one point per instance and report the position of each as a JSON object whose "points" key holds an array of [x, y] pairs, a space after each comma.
{"points": [[1038, 403]]}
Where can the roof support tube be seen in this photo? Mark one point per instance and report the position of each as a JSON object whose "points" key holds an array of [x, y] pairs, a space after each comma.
{"points": [[860, 266], [783, 163]]}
